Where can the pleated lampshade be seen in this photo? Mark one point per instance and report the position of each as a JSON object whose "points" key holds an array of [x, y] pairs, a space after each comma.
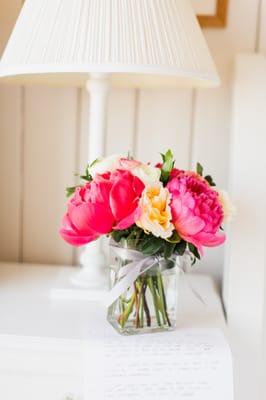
{"points": [[137, 42]]}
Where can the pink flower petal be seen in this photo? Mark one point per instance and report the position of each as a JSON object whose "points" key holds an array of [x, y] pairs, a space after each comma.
{"points": [[80, 217], [127, 221], [138, 186], [100, 218], [190, 226], [122, 199], [211, 240], [76, 240], [72, 236]]}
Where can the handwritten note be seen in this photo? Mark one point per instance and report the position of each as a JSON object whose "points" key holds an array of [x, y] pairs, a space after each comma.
{"points": [[181, 365]]}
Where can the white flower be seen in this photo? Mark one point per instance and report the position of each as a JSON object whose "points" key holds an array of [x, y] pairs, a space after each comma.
{"points": [[147, 174], [229, 209], [155, 216], [107, 164]]}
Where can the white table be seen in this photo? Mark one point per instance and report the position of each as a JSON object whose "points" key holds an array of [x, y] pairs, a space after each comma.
{"points": [[43, 319]]}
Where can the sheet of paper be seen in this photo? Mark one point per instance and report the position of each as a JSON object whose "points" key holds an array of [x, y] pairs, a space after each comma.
{"points": [[186, 364]]}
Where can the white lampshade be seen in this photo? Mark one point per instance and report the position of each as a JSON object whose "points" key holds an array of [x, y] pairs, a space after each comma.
{"points": [[137, 42]]}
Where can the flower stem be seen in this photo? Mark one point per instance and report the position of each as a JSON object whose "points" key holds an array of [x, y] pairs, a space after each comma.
{"points": [[141, 301], [159, 298], [145, 305], [137, 295], [141, 318], [125, 315], [163, 299], [155, 301]]}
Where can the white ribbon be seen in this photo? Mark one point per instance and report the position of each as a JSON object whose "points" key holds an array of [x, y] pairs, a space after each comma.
{"points": [[131, 271]]}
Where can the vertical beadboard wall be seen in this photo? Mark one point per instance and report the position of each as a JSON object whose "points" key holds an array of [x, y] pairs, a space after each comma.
{"points": [[43, 135]]}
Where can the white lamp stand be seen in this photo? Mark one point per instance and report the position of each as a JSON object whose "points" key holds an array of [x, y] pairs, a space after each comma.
{"points": [[93, 263]]}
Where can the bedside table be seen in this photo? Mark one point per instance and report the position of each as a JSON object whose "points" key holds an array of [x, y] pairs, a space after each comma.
{"points": [[44, 319]]}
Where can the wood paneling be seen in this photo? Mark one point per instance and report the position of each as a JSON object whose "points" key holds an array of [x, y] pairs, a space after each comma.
{"points": [[164, 121], [212, 108], [10, 173], [210, 147], [10, 149], [42, 149], [50, 148]]}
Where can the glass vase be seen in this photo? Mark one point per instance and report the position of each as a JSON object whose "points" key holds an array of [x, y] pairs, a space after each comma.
{"points": [[149, 304]]}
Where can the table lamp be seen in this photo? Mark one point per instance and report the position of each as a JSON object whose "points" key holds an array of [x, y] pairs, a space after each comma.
{"points": [[103, 43]]}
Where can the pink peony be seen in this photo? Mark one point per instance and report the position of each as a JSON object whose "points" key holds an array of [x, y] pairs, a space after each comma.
{"points": [[196, 211], [109, 202]]}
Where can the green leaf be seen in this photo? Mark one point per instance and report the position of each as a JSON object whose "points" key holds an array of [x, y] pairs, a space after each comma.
{"points": [[170, 264], [118, 235], [163, 157], [168, 164], [193, 260], [87, 177], [151, 246], [210, 181], [93, 163], [175, 238], [70, 190], [168, 249], [199, 169], [194, 250], [181, 247]]}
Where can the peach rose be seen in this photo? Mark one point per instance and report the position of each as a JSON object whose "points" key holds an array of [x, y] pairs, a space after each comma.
{"points": [[155, 212]]}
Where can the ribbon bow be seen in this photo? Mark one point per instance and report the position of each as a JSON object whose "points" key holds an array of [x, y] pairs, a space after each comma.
{"points": [[131, 271]]}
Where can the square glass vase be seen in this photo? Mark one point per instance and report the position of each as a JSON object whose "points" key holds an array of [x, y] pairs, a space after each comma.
{"points": [[150, 303]]}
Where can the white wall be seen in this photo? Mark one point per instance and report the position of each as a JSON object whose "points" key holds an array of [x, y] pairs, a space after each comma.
{"points": [[43, 137]]}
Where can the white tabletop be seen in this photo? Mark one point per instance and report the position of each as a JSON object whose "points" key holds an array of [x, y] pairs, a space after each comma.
{"points": [[39, 301], [43, 318]]}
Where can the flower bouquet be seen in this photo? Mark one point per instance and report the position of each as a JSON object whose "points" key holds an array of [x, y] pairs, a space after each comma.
{"points": [[155, 216]]}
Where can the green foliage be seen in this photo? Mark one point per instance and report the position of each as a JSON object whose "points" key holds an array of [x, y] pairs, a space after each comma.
{"points": [[87, 176], [181, 247], [194, 253], [70, 190], [208, 178], [210, 181], [94, 162], [199, 169], [193, 249], [169, 249], [119, 235], [175, 238], [168, 165], [150, 245]]}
